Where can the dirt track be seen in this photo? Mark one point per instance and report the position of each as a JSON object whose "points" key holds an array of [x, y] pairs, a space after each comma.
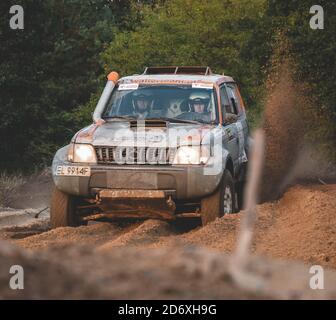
{"points": [[300, 226], [169, 257]]}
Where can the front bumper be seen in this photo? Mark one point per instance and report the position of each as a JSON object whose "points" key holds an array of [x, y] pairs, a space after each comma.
{"points": [[182, 182]]}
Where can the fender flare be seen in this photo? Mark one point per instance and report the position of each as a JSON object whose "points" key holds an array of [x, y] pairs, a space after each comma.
{"points": [[60, 158], [227, 164]]}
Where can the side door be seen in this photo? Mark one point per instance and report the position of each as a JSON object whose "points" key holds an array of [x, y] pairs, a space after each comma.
{"points": [[241, 123], [230, 133]]}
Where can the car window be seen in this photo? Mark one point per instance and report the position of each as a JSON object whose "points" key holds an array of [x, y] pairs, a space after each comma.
{"points": [[234, 98], [226, 106], [163, 101]]}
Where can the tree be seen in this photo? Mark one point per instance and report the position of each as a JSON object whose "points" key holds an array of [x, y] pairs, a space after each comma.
{"points": [[48, 69], [221, 34]]}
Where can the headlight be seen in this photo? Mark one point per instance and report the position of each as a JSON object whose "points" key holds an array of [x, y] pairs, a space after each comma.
{"points": [[192, 155], [82, 153]]}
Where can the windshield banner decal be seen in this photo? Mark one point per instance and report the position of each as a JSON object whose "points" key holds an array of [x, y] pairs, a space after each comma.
{"points": [[200, 85], [128, 86]]}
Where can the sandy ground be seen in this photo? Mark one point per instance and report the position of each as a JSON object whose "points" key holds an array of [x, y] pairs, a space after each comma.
{"points": [[179, 260]]}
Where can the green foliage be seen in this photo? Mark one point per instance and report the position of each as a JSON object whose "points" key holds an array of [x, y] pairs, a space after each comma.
{"points": [[48, 69], [221, 34]]}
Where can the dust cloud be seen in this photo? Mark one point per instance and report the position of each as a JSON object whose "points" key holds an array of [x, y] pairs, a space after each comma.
{"points": [[289, 117]]}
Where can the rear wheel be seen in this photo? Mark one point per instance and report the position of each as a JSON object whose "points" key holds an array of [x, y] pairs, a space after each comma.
{"points": [[63, 210], [240, 187], [221, 202]]}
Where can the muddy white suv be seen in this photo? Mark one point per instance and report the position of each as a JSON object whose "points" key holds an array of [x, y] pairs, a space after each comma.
{"points": [[171, 142]]}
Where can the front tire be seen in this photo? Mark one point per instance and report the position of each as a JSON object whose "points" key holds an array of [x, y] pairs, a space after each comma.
{"points": [[63, 210], [221, 202], [240, 195]]}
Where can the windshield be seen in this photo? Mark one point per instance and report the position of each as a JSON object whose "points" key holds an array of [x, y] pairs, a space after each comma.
{"points": [[167, 102]]}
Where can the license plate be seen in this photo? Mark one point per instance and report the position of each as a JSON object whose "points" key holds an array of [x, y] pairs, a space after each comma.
{"points": [[73, 171]]}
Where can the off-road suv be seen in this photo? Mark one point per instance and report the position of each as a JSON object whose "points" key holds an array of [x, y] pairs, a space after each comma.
{"points": [[171, 142]]}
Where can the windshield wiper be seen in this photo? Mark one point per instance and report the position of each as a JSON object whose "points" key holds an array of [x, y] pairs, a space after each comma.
{"points": [[206, 122], [173, 120]]}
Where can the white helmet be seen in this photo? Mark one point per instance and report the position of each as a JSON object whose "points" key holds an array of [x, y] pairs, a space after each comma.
{"points": [[200, 97]]}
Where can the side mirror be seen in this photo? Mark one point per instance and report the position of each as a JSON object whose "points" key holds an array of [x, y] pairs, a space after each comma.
{"points": [[230, 118]]}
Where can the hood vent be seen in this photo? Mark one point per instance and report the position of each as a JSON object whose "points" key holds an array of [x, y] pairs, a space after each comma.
{"points": [[149, 123]]}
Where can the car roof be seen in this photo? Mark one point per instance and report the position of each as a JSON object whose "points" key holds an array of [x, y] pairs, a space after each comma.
{"points": [[178, 75]]}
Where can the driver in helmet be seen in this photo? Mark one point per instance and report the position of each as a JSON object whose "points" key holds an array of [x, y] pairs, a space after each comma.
{"points": [[199, 103], [141, 104]]}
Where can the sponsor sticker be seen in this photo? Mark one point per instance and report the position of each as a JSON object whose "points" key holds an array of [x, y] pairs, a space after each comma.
{"points": [[128, 86], [200, 85]]}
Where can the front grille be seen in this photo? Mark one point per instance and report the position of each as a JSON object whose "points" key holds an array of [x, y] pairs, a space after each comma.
{"points": [[135, 155]]}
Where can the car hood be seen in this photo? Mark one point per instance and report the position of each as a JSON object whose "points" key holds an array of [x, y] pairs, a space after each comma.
{"points": [[122, 133]]}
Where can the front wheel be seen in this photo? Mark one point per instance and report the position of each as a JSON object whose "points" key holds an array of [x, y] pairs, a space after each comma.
{"points": [[63, 210], [221, 202]]}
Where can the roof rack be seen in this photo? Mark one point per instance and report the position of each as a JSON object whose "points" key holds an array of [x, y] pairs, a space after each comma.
{"points": [[206, 71]]}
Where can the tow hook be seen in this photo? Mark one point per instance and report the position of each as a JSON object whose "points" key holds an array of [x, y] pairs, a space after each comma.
{"points": [[170, 203], [98, 199]]}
